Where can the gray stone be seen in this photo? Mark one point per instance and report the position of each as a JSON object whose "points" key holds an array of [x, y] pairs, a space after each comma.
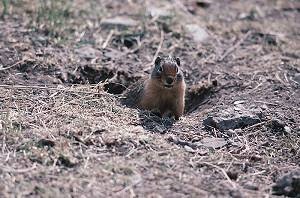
{"points": [[162, 12], [119, 22], [287, 129], [87, 52], [214, 143], [231, 122], [189, 149], [198, 33]]}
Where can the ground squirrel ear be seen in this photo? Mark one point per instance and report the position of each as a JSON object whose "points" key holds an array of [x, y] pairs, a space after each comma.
{"points": [[177, 61], [157, 60]]}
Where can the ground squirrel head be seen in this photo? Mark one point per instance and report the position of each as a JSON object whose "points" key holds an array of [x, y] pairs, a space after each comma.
{"points": [[167, 71]]}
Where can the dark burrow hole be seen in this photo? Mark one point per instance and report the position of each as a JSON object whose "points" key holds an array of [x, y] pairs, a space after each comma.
{"points": [[116, 82], [198, 94], [95, 75]]}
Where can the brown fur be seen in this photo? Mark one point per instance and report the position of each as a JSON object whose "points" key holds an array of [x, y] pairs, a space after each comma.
{"points": [[157, 97]]}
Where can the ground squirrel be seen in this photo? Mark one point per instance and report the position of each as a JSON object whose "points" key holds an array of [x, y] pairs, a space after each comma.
{"points": [[164, 91]]}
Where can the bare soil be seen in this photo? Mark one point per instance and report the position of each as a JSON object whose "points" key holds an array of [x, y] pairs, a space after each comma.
{"points": [[65, 130]]}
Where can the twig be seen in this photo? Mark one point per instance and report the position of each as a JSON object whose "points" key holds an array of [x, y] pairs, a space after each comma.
{"points": [[279, 79], [250, 175], [260, 84], [59, 107], [19, 170], [159, 46], [268, 103], [21, 61], [157, 51], [108, 39], [294, 81], [234, 47], [46, 88], [254, 125], [209, 79], [86, 162], [7, 157], [286, 78]]}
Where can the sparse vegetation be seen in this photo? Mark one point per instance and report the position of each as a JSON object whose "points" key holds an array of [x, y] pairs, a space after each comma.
{"points": [[5, 4]]}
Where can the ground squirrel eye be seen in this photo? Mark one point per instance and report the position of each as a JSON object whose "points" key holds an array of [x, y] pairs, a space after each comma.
{"points": [[160, 69], [177, 61], [157, 60], [177, 70]]}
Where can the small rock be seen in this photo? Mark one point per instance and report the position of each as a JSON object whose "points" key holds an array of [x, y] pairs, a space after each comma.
{"points": [[198, 33], [264, 107], [288, 185], [119, 22], [231, 122], [287, 129], [87, 52], [189, 149], [243, 16], [214, 142], [162, 12]]}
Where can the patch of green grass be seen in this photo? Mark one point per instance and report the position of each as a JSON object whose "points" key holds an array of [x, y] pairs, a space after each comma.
{"points": [[5, 7], [55, 12], [54, 16]]}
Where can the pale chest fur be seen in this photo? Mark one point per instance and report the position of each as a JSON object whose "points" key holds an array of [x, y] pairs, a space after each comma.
{"points": [[162, 98]]}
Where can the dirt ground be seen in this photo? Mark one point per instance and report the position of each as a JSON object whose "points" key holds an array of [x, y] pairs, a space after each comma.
{"points": [[66, 132]]}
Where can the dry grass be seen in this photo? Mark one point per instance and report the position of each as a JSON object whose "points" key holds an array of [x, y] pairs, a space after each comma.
{"points": [[77, 140]]}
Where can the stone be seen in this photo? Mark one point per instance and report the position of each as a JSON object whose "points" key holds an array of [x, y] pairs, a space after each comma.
{"points": [[287, 129], [214, 143], [198, 33], [87, 52], [189, 149], [163, 12], [238, 121], [119, 22]]}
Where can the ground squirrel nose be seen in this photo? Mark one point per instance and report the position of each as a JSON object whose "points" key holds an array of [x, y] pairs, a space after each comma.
{"points": [[169, 80]]}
